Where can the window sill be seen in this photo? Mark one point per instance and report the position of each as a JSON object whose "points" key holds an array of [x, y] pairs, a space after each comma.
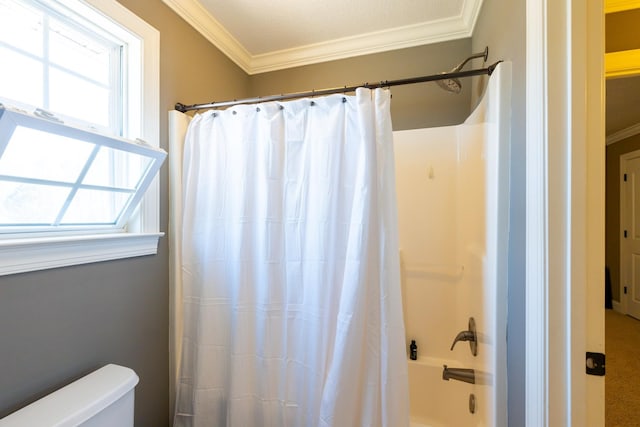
{"points": [[22, 255]]}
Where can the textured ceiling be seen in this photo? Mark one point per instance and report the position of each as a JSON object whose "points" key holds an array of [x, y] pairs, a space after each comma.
{"points": [[264, 36], [623, 104], [622, 94], [266, 26]]}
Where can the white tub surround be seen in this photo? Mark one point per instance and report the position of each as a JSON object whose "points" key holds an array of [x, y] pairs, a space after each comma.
{"points": [[453, 200]]}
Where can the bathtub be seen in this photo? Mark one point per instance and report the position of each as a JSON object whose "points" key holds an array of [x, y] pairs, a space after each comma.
{"points": [[452, 192], [446, 404]]}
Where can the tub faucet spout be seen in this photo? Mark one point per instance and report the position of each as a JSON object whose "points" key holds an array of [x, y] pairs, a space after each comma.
{"points": [[460, 374]]}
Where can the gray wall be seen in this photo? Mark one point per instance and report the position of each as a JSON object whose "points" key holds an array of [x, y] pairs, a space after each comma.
{"points": [[57, 325], [413, 106], [501, 26]]}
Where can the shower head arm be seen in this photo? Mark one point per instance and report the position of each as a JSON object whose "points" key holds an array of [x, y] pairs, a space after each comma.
{"points": [[484, 54]]}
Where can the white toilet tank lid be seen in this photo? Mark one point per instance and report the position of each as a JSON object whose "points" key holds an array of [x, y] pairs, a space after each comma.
{"points": [[76, 402]]}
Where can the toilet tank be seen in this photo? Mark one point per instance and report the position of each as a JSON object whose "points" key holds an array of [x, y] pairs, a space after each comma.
{"points": [[104, 398]]}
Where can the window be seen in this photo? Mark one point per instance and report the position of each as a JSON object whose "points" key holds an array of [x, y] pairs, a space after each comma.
{"points": [[60, 62], [54, 177], [75, 185]]}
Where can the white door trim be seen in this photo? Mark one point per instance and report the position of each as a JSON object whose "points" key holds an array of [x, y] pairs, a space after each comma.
{"points": [[536, 373], [565, 210]]}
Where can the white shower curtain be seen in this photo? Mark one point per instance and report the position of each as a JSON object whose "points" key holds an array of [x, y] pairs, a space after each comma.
{"points": [[290, 270]]}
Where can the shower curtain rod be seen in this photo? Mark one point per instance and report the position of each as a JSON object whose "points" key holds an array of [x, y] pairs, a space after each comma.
{"points": [[387, 83]]}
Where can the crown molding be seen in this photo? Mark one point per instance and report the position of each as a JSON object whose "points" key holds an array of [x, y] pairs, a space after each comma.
{"points": [[381, 41], [612, 6], [211, 29], [362, 44], [623, 134], [470, 12], [624, 63]]}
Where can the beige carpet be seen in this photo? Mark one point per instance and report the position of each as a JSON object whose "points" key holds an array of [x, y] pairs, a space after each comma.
{"points": [[622, 381]]}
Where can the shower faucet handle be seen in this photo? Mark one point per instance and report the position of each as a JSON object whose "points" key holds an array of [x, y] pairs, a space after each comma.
{"points": [[463, 336], [468, 335]]}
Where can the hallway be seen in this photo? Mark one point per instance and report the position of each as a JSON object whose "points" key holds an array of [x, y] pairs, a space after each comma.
{"points": [[622, 383]]}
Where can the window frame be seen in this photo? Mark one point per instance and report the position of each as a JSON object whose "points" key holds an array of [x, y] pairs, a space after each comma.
{"points": [[11, 119], [142, 232]]}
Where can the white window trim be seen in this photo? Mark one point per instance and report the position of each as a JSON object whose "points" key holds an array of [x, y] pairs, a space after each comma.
{"points": [[19, 256], [141, 238]]}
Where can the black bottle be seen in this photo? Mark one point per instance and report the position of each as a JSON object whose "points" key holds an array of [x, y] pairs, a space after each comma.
{"points": [[413, 350]]}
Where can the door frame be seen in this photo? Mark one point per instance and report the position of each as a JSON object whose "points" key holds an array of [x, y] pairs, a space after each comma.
{"points": [[623, 307], [565, 211]]}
